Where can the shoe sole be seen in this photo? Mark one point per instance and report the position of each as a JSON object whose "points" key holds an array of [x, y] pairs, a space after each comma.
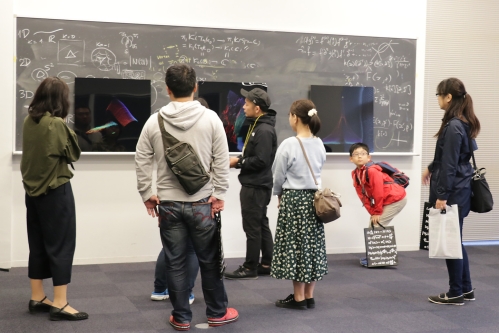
{"points": [[239, 278], [159, 298], [60, 318], [191, 301], [179, 328], [282, 306], [444, 303], [216, 323], [469, 299]]}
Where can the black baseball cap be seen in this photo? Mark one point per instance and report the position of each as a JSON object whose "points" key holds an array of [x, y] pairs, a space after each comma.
{"points": [[258, 96]]}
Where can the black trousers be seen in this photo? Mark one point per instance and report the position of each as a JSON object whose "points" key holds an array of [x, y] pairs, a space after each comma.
{"points": [[254, 202], [51, 223]]}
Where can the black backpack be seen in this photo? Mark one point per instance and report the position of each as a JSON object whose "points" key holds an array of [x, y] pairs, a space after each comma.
{"points": [[398, 176]]}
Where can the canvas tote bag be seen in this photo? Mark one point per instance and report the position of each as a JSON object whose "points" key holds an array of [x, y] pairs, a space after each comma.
{"points": [[445, 234]]}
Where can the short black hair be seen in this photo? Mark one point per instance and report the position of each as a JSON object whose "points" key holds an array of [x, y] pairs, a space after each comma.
{"points": [[181, 80], [358, 145]]}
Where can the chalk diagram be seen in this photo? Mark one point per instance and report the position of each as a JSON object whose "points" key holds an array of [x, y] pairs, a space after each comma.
{"points": [[71, 52], [157, 87], [133, 74], [39, 74], [103, 58], [67, 76]]}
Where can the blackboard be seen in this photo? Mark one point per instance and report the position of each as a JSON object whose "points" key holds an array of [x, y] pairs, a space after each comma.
{"points": [[381, 246], [288, 62]]}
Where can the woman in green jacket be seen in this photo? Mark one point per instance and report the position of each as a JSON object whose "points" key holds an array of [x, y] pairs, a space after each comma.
{"points": [[48, 147]]}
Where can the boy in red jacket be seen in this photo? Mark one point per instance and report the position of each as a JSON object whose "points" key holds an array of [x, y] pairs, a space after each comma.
{"points": [[381, 196]]}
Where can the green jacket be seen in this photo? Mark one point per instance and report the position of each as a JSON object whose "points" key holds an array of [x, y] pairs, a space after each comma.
{"points": [[48, 147]]}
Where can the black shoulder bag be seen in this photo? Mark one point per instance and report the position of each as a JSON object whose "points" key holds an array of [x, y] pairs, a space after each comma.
{"points": [[481, 198], [183, 161]]}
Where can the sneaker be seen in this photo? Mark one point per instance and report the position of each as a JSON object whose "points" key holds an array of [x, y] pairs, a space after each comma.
{"points": [[363, 262], [290, 303], [262, 270], [179, 326], [191, 298], [230, 316], [160, 296], [470, 295], [310, 303], [444, 299], [242, 273]]}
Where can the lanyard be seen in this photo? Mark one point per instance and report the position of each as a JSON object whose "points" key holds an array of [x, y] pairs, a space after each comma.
{"points": [[250, 131]]}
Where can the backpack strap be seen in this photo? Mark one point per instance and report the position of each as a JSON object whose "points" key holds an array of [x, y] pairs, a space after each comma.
{"points": [[168, 139]]}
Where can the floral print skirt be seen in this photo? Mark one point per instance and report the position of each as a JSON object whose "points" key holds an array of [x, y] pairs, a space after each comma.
{"points": [[300, 244]]}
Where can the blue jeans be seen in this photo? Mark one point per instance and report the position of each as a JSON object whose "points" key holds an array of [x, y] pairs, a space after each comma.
{"points": [[459, 269], [160, 283], [179, 223]]}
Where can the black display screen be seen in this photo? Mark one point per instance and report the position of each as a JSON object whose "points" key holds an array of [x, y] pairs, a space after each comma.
{"points": [[110, 113], [346, 115], [226, 100]]}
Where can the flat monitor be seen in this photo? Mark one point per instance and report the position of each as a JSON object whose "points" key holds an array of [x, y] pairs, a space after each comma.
{"points": [[226, 100], [110, 113], [346, 115]]}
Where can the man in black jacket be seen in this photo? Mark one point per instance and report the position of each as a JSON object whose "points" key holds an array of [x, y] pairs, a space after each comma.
{"points": [[256, 179]]}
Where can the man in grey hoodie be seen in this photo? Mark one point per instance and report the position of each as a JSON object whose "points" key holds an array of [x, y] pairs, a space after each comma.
{"points": [[183, 216]]}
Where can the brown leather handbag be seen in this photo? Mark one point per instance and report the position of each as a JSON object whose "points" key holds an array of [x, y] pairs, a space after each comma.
{"points": [[327, 203]]}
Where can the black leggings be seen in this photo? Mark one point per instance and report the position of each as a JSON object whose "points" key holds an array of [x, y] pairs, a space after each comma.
{"points": [[51, 223]]}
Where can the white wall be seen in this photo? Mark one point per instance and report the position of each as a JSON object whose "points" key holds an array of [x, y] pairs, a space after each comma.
{"points": [[112, 223], [6, 127]]}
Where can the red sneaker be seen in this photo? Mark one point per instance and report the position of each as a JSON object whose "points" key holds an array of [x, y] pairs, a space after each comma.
{"points": [[230, 316], [179, 326]]}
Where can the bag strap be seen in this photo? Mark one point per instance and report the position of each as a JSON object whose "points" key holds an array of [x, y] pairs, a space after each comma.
{"points": [[168, 139], [306, 158], [472, 154]]}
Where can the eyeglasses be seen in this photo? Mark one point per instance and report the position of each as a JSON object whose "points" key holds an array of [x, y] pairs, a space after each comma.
{"points": [[359, 154]]}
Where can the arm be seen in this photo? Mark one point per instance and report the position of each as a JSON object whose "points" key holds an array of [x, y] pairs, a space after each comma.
{"points": [[377, 185], [453, 137], [263, 152], [279, 169], [144, 161], [67, 141], [220, 164]]}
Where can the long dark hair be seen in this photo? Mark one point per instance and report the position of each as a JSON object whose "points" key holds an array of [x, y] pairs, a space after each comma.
{"points": [[300, 108], [461, 105], [52, 95]]}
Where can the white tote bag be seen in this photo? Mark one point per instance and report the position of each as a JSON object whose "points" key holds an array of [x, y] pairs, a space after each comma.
{"points": [[445, 237]]}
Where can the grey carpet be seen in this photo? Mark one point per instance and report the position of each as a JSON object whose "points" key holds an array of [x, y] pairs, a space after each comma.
{"points": [[349, 299]]}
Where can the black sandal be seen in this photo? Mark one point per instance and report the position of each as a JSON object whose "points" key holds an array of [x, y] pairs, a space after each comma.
{"points": [[59, 314]]}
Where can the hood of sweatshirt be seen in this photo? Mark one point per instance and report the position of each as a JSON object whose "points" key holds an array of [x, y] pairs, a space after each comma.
{"points": [[182, 115]]}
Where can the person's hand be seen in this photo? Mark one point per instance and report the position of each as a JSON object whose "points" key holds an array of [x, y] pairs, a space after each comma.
{"points": [[441, 204], [425, 178], [216, 206], [233, 161], [152, 206], [375, 219]]}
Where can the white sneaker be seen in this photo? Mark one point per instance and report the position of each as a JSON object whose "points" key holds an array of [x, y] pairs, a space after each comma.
{"points": [[160, 296]]}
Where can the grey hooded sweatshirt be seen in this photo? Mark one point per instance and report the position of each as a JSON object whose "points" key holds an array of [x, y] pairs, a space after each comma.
{"points": [[203, 130]]}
